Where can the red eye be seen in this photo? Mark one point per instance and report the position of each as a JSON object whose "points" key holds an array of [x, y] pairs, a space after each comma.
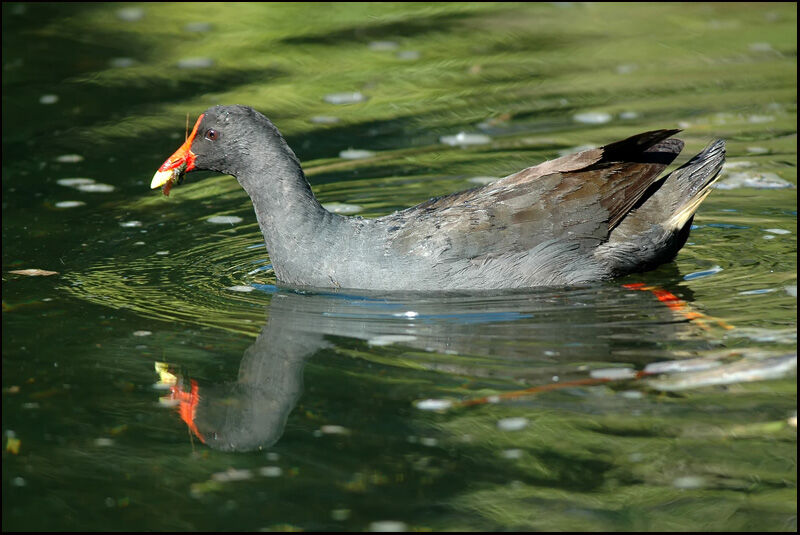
{"points": [[211, 134]]}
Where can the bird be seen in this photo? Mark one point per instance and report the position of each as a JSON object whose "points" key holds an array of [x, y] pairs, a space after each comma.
{"points": [[590, 216]]}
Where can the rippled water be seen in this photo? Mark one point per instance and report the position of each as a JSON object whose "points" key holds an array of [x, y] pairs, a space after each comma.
{"points": [[661, 401]]}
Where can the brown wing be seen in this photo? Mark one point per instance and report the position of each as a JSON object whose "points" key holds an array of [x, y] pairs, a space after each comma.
{"points": [[579, 198]]}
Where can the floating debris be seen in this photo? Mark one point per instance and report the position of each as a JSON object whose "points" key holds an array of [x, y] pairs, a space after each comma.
{"points": [[463, 139], [130, 224], [342, 208], [198, 27], [777, 231], [69, 204], [689, 482], [121, 63], [162, 253], [388, 526], [225, 219], [745, 179], [195, 63], [701, 274], [743, 371], [48, 99], [142, 333], [103, 442], [334, 430], [791, 290], [130, 14], [324, 119], [243, 289], [270, 471], [356, 154], [344, 98], [408, 55], [96, 188], [389, 339], [514, 453], [592, 117], [72, 182], [512, 424], [383, 45], [434, 404], [33, 272], [628, 115], [69, 158], [613, 373], [232, 474], [758, 150]]}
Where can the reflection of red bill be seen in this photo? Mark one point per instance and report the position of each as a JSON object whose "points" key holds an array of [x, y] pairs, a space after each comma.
{"points": [[678, 305], [187, 407], [172, 170]]}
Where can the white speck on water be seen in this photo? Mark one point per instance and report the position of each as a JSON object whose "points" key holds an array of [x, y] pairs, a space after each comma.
{"points": [[749, 179], [225, 219], [389, 339], [631, 394], [388, 526], [791, 290], [139, 243], [512, 424], [334, 430], [757, 292], [122, 63], [407, 314], [592, 117], [243, 289], [757, 150], [195, 63], [628, 115], [513, 453], [162, 253], [69, 158], [324, 119], [701, 274], [684, 124], [130, 14], [434, 404], [72, 182], [408, 55], [760, 47], [356, 154], [19, 482], [96, 188], [464, 139], [232, 474], [48, 99], [777, 231], [142, 333], [613, 373], [130, 224], [573, 150], [689, 482], [270, 471], [342, 208], [344, 98], [69, 204], [493, 399], [626, 68], [197, 27], [769, 237], [383, 45], [483, 180], [340, 514], [103, 442], [756, 119]]}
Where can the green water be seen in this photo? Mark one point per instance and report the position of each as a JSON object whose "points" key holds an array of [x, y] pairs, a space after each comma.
{"points": [[313, 404]]}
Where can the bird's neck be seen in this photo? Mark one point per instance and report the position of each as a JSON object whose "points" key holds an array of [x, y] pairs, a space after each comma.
{"points": [[293, 222]]}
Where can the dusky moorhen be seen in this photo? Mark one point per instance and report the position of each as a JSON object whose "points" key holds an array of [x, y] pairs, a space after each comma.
{"points": [[588, 216]]}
